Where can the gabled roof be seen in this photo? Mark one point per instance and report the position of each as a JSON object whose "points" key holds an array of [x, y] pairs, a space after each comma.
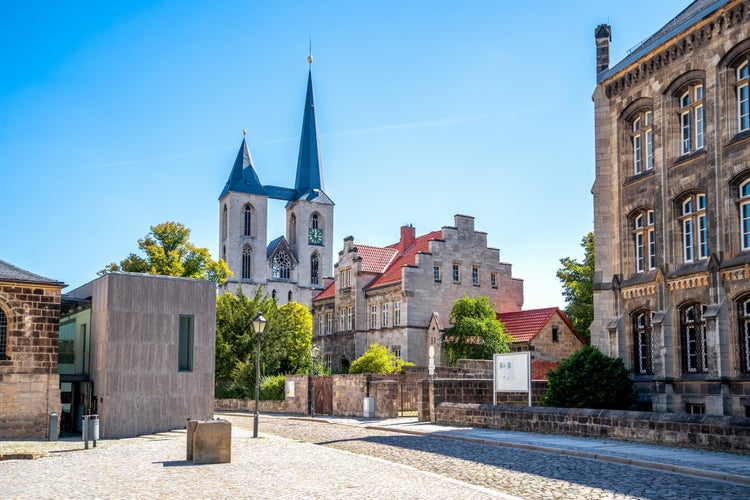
{"points": [[9, 272], [243, 178], [277, 245], [375, 259], [525, 325], [329, 291], [392, 273]]}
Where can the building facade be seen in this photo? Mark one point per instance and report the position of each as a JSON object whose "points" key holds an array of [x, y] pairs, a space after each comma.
{"points": [[139, 351], [672, 210], [290, 267], [400, 296], [29, 383]]}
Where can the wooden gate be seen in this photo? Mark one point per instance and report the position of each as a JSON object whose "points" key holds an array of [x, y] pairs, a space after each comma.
{"points": [[323, 387], [409, 400]]}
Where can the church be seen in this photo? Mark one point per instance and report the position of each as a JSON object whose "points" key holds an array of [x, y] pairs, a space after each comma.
{"points": [[289, 267]]}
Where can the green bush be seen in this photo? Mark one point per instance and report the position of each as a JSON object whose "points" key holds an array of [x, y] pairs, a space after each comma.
{"points": [[272, 387], [590, 379], [378, 359]]}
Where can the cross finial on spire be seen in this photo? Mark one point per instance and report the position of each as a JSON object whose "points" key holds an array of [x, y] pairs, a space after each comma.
{"points": [[310, 57], [244, 132]]}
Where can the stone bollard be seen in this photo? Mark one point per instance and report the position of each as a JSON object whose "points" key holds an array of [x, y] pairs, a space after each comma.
{"points": [[209, 441]]}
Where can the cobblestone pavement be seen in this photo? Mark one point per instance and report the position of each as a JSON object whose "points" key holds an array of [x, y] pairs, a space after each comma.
{"points": [[523, 473], [296, 458]]}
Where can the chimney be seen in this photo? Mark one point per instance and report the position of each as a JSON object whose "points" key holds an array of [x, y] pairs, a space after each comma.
{"points": [[603, 35], [408, 237]]}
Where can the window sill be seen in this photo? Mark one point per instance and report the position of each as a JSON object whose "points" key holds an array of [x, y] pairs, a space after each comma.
{"points": [[689, 157], [739, 138], [638, 177]]}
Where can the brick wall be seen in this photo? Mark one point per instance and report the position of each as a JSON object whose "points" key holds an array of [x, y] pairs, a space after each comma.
{"points": [[29, 383], [680, 429]]}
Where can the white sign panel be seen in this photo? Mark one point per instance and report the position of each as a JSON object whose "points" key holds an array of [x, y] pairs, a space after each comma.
{"points": [[511, 371]]}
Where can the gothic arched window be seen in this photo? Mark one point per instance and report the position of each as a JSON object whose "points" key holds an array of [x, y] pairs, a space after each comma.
{"points": [[314, 221], [743, 316], [247, 258], [3, 335], [693, 337], [642, 344], [247, 218], [224, 223], [314, 279], [289, 296], [282, 266]]}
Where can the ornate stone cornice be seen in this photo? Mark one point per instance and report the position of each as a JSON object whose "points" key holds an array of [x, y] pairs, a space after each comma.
{"points": [[688, 282], [648, 67], [638, 291], [736, 274]]}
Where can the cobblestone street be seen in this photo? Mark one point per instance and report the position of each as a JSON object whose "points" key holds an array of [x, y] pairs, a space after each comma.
{"points": [[298, 458]]}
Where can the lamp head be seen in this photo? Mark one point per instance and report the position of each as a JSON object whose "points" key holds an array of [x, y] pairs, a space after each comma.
{"points": [[259, 323]]}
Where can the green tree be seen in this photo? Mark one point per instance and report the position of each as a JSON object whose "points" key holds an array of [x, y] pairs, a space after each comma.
{"points": [[168, 252], [590, 379], [476, 333], [378, 359], [296, 323], [577, 279]]}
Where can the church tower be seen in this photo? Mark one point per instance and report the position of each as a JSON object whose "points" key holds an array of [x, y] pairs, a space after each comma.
{"points": [[290, 267]]}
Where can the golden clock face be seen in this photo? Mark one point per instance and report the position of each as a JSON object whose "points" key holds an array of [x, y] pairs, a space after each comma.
{"points": [[315, 236]]}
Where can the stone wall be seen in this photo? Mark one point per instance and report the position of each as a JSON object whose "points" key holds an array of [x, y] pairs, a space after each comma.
{"points": [[29, 383], [679, 429], [248, 406]]}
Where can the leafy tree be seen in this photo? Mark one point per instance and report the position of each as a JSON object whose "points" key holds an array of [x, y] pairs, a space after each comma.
{"points": [[378, 359], [296, 323], [476, 333], [169, 252], [577, 279], [590, 379]]}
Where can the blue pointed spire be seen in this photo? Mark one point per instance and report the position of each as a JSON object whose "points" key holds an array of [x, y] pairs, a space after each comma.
{"points": [[243, 178], [309, 168]]}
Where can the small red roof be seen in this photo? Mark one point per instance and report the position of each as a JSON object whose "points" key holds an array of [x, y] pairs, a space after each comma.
{"points": [[539, 369], [375, 259], [392, 273], [525, 325], [327, 292]]}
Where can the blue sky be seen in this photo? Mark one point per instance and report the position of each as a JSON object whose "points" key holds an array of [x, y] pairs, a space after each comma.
{"points": [[116, 116]]}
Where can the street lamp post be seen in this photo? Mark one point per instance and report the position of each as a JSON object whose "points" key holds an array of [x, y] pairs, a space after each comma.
{"points": [[259, 324], [313, 354]]}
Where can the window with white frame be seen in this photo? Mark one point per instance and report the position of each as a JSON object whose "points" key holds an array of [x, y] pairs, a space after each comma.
{"points": [[642, 344], [329, 323], [436, 274], [247, 259], [321, 327], [384, 315], [693, 337], [396, 313], [691, 119], [493, 280], [456, 273], [475, 275], [373, 316], [396, 349], [346, 278], [247, 218], [744, 202], [743, 97], [642, 138], [342, 319], [744, 330], [694, 229], [350, 318], [645, 241]]}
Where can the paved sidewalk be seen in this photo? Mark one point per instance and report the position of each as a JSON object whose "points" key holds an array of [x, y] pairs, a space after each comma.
{"points": [[709, 464]]}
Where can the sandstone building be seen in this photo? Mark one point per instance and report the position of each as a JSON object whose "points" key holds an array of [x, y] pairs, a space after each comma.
{"points": [[672, 210], [547, 333], [400, 296], [29, 387], [290, 267]]}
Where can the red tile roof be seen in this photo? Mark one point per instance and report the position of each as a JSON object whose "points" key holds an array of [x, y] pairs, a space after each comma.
{"points": [[327, 292], [392, 273], [525, 325], [375, 259], [539, 369]]}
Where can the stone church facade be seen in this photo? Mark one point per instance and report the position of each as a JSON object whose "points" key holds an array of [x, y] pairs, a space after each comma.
{"points": [[290, 267], [672, 210], [400, 296]]}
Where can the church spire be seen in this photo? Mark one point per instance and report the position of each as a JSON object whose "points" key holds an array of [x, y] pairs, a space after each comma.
{"points": [[309, 168], [243, 178]]}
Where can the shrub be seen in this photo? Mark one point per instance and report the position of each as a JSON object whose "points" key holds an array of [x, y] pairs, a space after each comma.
{"points": [[272, 387], [378, 359], [590, 379]]}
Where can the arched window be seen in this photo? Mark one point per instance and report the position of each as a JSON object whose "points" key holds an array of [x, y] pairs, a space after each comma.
{"points": [[642, 139], [691, 118], [247, 259], [642, 344], [694, 228], [314, 221], [224, 253], [693, 339], [743, 316], [314, 279], [247, 218], [645, 241], [293, 230], [273, 294], [743, 96], [224, 223], [289, 296], [282, 266], [3, 335], [744, 202]]}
